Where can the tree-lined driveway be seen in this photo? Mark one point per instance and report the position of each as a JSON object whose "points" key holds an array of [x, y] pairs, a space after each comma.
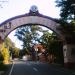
{"points": [[35, 68]]}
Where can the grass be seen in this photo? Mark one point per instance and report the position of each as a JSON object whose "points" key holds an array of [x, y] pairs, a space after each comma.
{"points": [[2, 66]]}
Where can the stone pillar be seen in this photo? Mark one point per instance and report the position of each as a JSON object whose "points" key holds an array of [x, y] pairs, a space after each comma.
{"points": [[69, 55]]}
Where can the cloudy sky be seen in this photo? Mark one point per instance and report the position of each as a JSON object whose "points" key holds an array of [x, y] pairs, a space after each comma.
{"points": [[18, 7]]}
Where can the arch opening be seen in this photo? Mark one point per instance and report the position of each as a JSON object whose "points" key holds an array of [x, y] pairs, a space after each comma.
{"points": [[41, 25], [40, 44]]}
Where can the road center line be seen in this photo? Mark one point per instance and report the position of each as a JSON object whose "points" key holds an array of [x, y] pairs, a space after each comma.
{"points": [[11, 69], [35, 69]]}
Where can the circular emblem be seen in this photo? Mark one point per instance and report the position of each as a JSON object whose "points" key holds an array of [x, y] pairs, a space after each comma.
{"points": [[34, 8]]}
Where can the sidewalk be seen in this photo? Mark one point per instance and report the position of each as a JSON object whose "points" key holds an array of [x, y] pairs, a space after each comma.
{"points": [[62, 68]]}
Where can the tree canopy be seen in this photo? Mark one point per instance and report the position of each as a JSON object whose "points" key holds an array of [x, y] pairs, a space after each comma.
{"points": [[67, 14], [28, 35], [67, 11]]}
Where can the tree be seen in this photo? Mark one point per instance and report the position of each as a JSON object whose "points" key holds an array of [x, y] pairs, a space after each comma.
{"points": [[67, 9], [28, 35], [9, 50], [52, 44], [67, 14], [9, 43], [1, 57], [5, 51], [5, 54], [45, 39], [16, 52]]}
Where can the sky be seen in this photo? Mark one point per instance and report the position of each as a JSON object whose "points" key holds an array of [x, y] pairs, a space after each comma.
{"points": [[18, 7]]}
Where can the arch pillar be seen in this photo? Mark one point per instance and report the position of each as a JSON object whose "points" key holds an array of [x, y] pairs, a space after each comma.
{"points": [[69, 55]]}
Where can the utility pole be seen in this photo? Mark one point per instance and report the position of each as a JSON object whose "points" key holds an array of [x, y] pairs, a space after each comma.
{"points": [[36, 53]]}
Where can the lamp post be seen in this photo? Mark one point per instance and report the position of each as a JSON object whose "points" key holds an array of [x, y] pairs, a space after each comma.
{"points": [[36, 53]]}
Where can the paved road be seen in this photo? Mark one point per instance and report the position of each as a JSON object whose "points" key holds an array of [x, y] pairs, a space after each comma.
{"points": [[35, 68]]}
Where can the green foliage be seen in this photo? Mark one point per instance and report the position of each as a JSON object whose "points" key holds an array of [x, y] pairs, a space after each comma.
{"points": [[57, 50], [16, 52], [28, 35], [73, 24], [9, 43], [73, 28], [11, 47], [67, 15], [67, 28], [5, 54], [67, 9], [52, 45], [45, 39], [1, 57]]}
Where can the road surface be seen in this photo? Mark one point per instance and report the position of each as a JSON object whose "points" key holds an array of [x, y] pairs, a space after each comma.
{"points": [[36, 68]]}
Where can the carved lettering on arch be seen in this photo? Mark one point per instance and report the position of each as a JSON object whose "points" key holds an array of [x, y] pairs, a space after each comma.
{"points": [[7, 26]]}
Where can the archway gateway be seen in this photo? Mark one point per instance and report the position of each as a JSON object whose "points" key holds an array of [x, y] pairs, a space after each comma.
{"points": [[34, 17]]}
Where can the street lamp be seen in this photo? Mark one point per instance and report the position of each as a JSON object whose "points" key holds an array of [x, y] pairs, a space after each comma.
{"points": [[36, 53]]}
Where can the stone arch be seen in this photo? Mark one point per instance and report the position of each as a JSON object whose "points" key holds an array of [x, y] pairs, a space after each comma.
{"points": [[34, 17], [11, 24]]}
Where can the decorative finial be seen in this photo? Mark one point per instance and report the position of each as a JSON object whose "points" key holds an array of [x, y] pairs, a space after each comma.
{"points": [[34, 8]]}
